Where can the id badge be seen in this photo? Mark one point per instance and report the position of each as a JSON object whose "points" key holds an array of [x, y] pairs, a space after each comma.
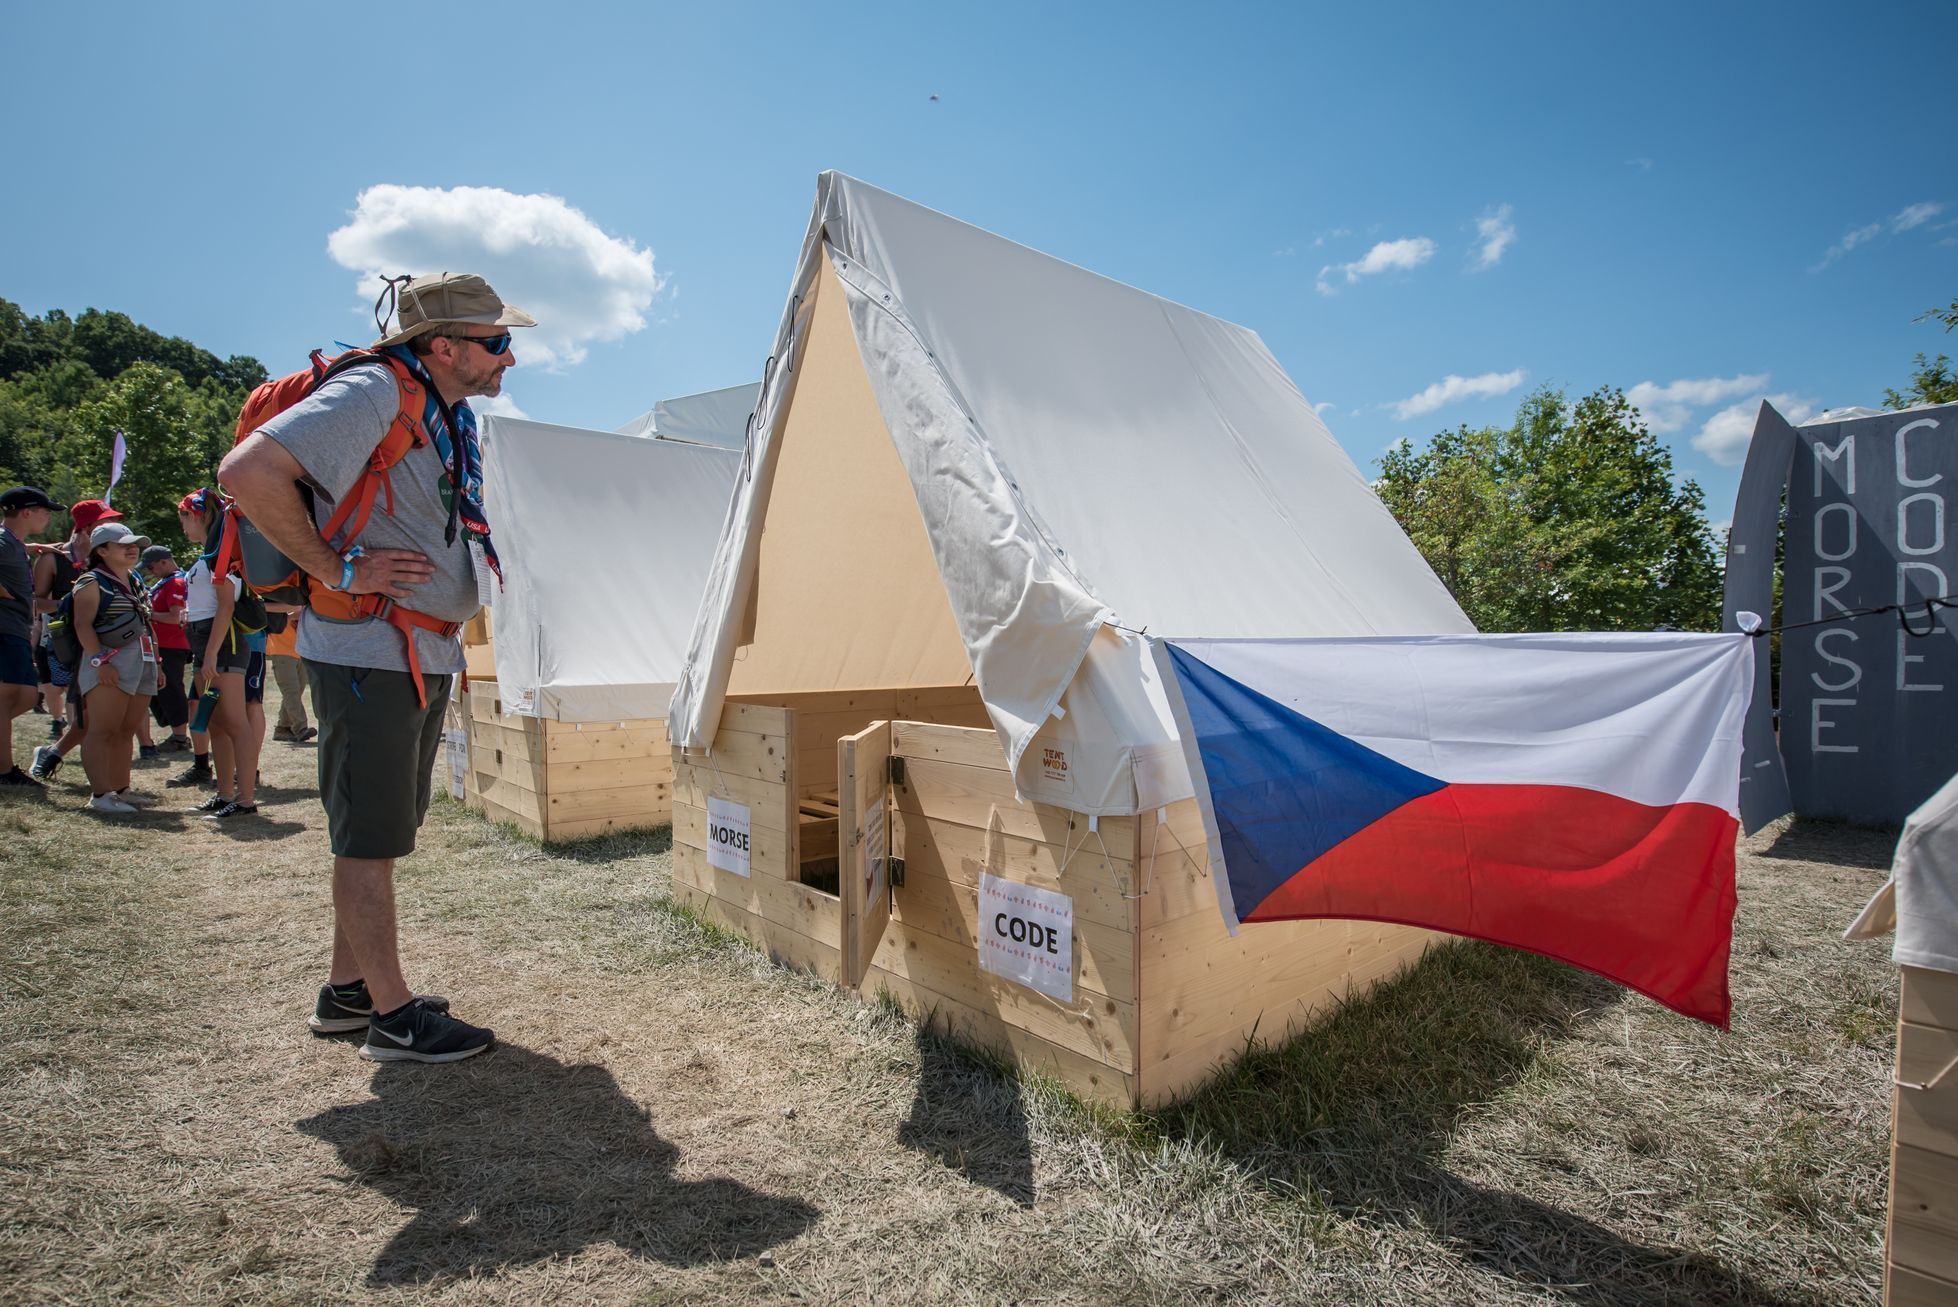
{"points": [[148, 647], [485, 579]]}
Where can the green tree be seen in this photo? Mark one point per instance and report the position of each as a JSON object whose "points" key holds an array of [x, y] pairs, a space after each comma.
{"points": [[1931, 382], [1570, 519], [175, 435]]}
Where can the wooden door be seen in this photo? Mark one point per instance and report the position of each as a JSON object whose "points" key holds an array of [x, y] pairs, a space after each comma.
{"points": [[863, 825]]}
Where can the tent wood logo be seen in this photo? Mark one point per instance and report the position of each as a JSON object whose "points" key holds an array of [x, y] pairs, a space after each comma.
{"points": [[727, 836], [1053, 764]]}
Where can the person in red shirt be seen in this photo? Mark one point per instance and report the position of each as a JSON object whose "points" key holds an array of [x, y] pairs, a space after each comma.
{"points": [[168, 591]]}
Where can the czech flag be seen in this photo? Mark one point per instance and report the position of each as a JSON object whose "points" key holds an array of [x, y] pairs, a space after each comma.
{"points": [[1574, 795]]}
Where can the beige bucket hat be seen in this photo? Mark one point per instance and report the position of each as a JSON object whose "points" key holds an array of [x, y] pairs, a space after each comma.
{"points": [[421, 302]]}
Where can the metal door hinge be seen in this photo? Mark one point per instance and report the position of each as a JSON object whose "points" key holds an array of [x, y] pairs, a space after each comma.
{"points": [[896, 866], [897, 770]]}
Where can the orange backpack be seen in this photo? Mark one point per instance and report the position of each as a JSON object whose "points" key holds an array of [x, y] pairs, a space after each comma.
{"points": [[269, 572]]}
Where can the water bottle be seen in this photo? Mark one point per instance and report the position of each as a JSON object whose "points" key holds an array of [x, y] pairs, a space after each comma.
{"points": [[207, 703]]}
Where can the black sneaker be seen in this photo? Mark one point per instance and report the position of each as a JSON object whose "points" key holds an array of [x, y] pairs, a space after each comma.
{"points": [[175, 744], [231, 808], [198, 773], [419, 1033], [147, 752], [57, 728], [333, 1015], [212, 804], [16, 779]]}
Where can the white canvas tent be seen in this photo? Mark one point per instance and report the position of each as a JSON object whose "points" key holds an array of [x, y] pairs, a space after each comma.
{"points": [[606, 542], [713, 417], [972, 462]]}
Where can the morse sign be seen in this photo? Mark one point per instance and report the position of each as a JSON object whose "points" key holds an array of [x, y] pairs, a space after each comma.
{"points": [[1869, 705]]}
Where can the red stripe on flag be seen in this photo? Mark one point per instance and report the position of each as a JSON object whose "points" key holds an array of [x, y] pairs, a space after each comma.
{"points": [[1642, 895]]}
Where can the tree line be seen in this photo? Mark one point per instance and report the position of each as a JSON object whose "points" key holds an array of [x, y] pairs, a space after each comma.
{"points": [[1572, 519], [69, 384]]}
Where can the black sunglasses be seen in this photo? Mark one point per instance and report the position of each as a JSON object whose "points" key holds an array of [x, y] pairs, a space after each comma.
{"points": [[499, 344]]}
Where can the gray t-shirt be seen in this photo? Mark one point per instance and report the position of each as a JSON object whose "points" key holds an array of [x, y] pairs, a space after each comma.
{"points": [[332, 432], [17, 574]]}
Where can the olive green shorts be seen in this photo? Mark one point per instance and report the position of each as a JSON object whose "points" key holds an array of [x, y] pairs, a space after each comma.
{"points": [[377, 755]]}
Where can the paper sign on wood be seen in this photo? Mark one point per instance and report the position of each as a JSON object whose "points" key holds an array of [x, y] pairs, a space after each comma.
{"points": [[458, 761], [1027, 935], [727, 835]]}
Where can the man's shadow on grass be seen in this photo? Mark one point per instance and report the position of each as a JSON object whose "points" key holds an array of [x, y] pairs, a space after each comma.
{"points": [[968, 1115], [513, 1157], [1359, 1110]]}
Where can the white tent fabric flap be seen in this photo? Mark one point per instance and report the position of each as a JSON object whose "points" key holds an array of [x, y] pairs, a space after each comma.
{"points": [[1086, 458], [606, 542], [713, 417], [1920, 900]]}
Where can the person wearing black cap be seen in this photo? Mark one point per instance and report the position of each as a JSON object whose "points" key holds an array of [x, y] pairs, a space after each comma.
{"points": [[24, 511], [168, 592]]}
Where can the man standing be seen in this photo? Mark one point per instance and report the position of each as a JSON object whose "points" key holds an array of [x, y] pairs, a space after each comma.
{"points": [[397, 593], [24, 511], [282, 652]]}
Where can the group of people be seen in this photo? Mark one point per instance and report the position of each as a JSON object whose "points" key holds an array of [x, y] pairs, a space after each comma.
{"points": [[138, 624], [365, 477]]}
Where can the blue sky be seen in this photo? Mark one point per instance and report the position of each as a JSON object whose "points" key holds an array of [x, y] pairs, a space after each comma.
{"points": [[1710, 202]]}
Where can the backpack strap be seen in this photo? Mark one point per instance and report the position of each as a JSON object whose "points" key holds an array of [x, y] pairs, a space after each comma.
{"points": [[403, 434]]}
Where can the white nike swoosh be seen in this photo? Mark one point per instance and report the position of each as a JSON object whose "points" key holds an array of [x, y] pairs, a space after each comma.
{"points": [[406, 1041]]}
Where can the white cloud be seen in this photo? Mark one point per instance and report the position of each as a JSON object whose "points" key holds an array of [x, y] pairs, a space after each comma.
{"points": [[540, 253], [1904, 219], [497, 405], [1387, 256], [1641, 163], [1333, 234], [1915, 215], [1451, 388], [1725, 436], [1321, 407], [1669, 407], [1496, 233]]}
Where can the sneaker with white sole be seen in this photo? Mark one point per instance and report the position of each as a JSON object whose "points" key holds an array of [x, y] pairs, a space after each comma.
{"points": [[419, 1033], [232, 809], [334, 1015], [112, 804], [46, 763]]}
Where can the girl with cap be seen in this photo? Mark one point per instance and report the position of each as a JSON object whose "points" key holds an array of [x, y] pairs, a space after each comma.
{"points": [[221, 657], [55, 573], [118, 670]]}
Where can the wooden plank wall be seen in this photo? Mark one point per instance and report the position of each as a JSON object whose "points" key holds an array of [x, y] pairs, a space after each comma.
{"points": [[566, 780], [1204, 992], [1922, 1265], [753, 764], [955, 816], [821, 719]]}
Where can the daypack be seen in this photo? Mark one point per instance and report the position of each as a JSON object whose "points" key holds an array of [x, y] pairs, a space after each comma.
{"points": [[265, 568], [65, 644], [267, 572]]}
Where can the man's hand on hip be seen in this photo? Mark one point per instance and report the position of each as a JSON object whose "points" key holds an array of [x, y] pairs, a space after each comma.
{"points": [[391, 572]]}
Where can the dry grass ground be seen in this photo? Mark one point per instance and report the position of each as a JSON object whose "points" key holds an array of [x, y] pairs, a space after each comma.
{"points": [[670, 1119]]}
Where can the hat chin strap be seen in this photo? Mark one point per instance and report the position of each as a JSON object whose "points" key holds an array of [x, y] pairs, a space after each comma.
{"points": [[391, 288]]}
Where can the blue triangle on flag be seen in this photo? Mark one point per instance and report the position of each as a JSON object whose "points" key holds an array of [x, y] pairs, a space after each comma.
{"points": [[1284, 788]]}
